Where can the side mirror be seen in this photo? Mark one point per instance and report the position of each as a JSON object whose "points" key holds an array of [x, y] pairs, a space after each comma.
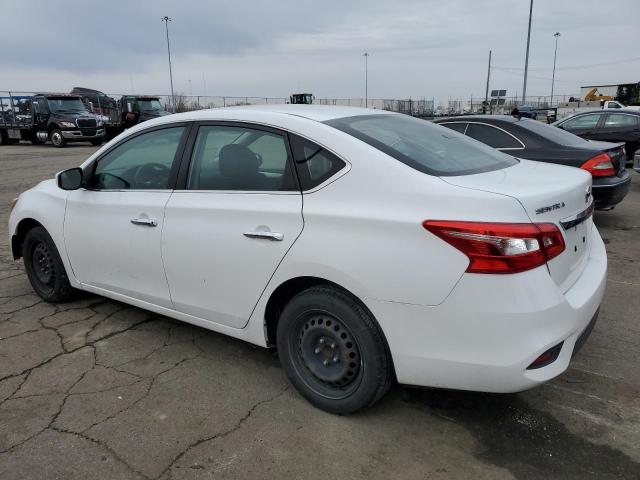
{"points": [[91, 107], [70, 179]]}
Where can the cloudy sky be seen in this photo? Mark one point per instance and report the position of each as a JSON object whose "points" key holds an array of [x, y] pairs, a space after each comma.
{"points": [[418, 48]]}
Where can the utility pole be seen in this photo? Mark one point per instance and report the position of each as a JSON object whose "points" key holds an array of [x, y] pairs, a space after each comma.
{"points": [[166, 21], [486, 91], [526, 61], [366, 80], [553, 77]]}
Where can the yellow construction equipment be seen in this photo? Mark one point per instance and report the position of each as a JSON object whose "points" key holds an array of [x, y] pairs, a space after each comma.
{"points": [[593, 96]]}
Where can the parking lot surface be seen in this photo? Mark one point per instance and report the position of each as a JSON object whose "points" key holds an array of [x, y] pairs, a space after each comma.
{"points": [[98, 389]]}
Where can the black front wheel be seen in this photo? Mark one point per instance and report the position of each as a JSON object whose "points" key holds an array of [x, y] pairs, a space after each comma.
{"points": [[97, 142], [44, 266], [333, 350], [57, 139]]}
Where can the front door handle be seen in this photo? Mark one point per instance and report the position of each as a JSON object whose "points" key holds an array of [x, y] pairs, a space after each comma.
{"points": [[275, 236], [147, 222]]}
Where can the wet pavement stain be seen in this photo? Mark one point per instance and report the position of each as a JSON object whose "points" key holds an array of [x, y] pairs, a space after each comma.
{"points": [[530, 443]]}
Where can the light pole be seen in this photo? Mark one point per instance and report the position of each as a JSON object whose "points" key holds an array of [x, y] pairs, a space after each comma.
{"points": [[366, 80], [166, 21], [526, 61], [553, 77]]}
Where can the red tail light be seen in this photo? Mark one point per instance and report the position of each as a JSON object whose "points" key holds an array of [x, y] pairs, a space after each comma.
{"points": [[599, 166], [500, 247]]}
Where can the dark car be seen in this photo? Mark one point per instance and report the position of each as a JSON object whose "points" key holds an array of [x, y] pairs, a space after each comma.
{"points": [[534, 140], [619, 126]]}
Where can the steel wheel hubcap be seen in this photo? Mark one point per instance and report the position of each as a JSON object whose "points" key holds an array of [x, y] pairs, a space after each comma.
{"points": [[43, 264], [328, 351]]}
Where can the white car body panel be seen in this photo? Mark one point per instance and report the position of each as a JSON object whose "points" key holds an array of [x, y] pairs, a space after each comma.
{"points": [[108, 251], [362, 230], [214, 271]]}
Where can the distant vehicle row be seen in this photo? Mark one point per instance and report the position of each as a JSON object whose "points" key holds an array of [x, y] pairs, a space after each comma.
{"points": [[534, 140], [84, 115]]}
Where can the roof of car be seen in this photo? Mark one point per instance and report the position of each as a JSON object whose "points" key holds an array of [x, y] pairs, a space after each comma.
{"points": [[318, 113]]}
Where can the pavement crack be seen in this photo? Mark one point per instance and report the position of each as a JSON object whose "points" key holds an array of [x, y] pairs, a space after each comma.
{"points": [[225, 433]]}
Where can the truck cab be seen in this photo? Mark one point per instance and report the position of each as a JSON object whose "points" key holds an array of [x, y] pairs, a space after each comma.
{"points": [[301, 98], [139, 108]]}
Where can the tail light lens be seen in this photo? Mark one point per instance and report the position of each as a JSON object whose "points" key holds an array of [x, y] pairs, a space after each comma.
{"points": [[500, 247], [599, 166]]}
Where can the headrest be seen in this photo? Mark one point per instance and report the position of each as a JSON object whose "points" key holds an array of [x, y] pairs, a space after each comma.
{"points": [[237, 161]]}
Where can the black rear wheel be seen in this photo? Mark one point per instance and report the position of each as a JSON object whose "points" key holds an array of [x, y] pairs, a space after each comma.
{"points": [[44, 267], [333, 350]]}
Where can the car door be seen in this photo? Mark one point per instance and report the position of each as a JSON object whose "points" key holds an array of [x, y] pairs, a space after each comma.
{"points": [[585, 126], [237, 212], [619, 127], [113, 225]]}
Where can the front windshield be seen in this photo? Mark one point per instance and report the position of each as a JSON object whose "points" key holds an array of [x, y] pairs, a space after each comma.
{"points": [[149, 105], [71, 105], [422, 145]]}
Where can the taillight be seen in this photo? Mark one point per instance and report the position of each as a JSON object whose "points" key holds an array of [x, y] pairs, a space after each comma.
{"points": [[599, 166], [500, 247]]}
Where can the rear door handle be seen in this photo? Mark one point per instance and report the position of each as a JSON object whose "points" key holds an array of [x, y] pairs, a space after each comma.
{"points": [[147, 222], [275, 236]]}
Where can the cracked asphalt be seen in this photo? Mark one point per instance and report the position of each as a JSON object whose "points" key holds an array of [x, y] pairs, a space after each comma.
{"points": [[96, 389]]}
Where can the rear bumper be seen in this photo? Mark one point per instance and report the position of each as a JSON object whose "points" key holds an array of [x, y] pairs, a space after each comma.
{"points": [[608, 192], [492, 327]]}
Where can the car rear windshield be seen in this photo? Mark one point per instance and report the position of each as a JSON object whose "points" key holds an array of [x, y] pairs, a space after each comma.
{"points": [[422, 145], [553, 134]]}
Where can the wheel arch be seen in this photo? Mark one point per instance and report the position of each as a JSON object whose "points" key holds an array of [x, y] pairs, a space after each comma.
{"points": [[17, 239], [289, 289]]}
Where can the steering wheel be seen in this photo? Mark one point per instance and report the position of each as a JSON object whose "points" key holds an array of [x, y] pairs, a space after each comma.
{"points": [[151, 175]]}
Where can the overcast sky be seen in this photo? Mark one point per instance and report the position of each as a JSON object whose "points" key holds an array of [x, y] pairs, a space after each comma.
{"points": [[418, 48]]}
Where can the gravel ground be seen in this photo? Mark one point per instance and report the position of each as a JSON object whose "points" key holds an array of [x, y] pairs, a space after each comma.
{"points": [[99, 389]]}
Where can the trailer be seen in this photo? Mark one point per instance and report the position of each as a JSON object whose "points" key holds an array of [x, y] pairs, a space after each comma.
{"points": [[56, 117]]}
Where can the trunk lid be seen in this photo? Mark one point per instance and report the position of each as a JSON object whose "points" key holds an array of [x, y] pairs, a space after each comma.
{"points": [[549, 194]]}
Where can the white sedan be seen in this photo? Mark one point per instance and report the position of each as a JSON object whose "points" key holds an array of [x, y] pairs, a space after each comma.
{"points": [[367, 246]]}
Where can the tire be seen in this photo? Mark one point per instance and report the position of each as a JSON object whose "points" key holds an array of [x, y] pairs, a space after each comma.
{"points": [[95, 143], [333, 350], [56, 138], [44, 267], [4, 139]]}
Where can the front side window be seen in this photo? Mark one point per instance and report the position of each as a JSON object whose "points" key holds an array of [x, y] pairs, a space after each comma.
{"points": [[582, 121], [423, 145], [239, 158], [494, 137], [615, 120], [142, 163], [149, 105]]}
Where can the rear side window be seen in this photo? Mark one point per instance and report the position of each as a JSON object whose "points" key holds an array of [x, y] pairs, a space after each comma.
{"points": [[313, 163], [492, 136], [617, 120], [239, 159], [423, 145]]}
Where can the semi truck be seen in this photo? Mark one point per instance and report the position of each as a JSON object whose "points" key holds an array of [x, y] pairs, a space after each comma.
{"points": [[56, 117]]}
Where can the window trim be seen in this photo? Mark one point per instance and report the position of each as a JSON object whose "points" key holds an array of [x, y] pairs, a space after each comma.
{"points": [[89, 170], [502, 149]]}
